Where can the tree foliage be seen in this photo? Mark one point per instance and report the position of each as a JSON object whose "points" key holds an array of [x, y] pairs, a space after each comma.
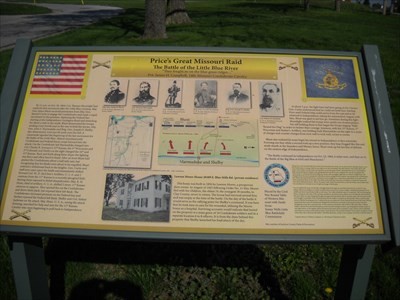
{"points": [[166, 178], [113, 183]]}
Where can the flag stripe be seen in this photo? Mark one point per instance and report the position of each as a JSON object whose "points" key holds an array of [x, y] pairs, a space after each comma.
{"points": [[48, 79], [75, 56], [75, 68], [60, 90], [56, 86], [55, 92], [73, 73]]}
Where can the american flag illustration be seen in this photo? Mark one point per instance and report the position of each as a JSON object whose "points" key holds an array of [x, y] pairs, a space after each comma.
{"points": [[59, 75]]}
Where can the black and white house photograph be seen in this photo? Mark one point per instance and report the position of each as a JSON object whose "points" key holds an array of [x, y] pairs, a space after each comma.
{"points": [[130, 198]]}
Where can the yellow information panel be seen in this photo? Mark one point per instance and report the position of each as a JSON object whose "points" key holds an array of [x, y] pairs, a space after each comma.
{"points": [[194, 142]]}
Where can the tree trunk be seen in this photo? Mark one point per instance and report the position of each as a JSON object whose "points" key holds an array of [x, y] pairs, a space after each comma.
{"points": [[384, 7], [177, 13], [154, 23], [306, 4], [108, 198], [337, 5]]}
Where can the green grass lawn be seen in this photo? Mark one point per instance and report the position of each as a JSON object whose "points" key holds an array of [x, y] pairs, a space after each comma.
{"points": [[110, 213], [187, 271]]}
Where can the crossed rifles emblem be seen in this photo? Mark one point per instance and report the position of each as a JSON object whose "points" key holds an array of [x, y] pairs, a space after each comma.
{"points": [[363, 222], [105, 64], [291, 66], [20, 214]]}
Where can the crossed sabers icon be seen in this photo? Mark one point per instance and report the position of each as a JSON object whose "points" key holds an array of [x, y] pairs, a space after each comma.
{"points": [[20, 214], [363, 222], [284, 66], [105, 64]]}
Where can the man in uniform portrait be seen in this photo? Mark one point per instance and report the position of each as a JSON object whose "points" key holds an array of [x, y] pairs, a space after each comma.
{"points": [[173, 91], [114, 95], [144, 97]]}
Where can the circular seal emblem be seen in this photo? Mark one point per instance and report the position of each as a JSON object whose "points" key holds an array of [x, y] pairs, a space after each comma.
{"points": [[276, 175]]}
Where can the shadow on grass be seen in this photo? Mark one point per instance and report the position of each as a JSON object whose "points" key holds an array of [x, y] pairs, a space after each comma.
{"points": [[103, 289], [131, 21], [276, 7], [61, 251]]}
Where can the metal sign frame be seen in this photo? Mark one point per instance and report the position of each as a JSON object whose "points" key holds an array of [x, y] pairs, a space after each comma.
{"points": [[379, 118]]}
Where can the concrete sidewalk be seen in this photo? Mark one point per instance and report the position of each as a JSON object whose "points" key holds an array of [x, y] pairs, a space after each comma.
{"points": [[63, 17]]}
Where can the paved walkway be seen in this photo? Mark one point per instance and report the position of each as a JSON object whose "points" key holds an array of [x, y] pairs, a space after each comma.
{"points": [[63, 17]]}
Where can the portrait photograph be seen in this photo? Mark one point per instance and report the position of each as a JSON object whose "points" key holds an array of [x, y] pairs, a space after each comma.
{"points": [[205, 94], [271, 100], [238, 94], [115, 92], [144, 92]]}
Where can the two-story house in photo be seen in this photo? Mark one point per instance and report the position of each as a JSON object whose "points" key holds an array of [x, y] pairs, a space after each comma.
{"points": [[149, 194]]}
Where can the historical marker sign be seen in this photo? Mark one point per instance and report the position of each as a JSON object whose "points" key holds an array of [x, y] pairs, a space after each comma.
{"points": [[195, 142]]}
